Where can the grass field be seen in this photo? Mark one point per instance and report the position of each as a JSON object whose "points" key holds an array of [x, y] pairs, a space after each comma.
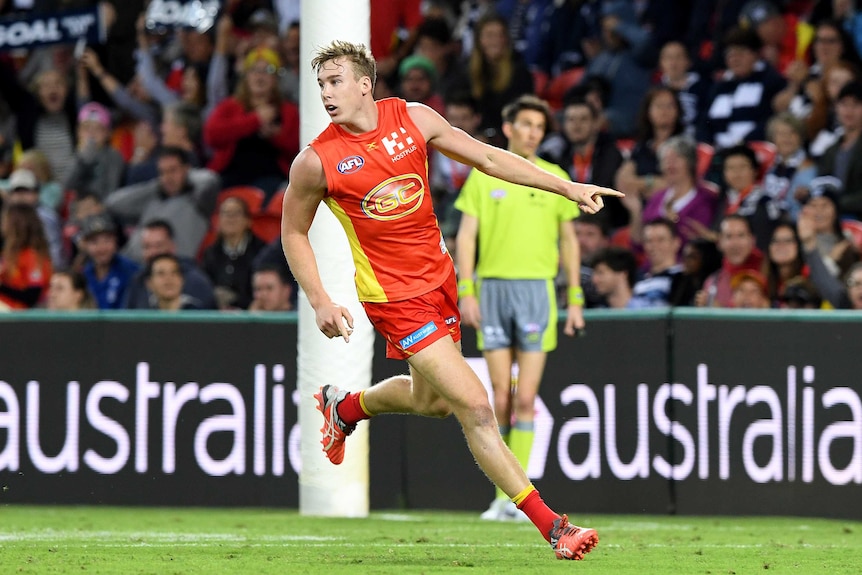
{"points": [[41, 540]]}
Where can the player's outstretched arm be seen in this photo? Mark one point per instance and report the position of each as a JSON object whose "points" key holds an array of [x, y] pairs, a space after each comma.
{"points": [[500, 163], [301, 200]]}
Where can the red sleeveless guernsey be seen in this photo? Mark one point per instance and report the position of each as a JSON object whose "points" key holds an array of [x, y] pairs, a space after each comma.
{"points": [[377, 187]]}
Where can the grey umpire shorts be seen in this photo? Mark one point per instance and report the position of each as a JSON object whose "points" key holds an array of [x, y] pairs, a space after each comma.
{"points": [[517, 313]]}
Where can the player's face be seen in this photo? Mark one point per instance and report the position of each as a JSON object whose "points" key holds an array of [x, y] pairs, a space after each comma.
{"points": [[526, 132], [340, 90]]}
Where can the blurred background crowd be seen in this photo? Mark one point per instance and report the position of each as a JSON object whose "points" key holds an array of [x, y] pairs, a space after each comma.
{"points": [[145, 169]]}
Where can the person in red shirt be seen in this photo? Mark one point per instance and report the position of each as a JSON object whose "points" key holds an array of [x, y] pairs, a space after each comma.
{"points": [[254, 134], [370, 167], [25, 264]]}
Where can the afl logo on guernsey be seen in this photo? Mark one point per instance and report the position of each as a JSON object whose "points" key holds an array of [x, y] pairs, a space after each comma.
{"points": [[394, 198], [351, 164]]}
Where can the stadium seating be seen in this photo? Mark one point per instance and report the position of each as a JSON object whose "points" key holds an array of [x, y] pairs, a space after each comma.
{"points": [[765, 152]]}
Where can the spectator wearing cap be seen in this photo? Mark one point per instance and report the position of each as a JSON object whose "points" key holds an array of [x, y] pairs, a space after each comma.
{"points": [[98, 168], [828, 253], [23, 188], [749, 290], [418, 82], [108, 273], [739, 252], [844, 158], [778, 32], [740, 102], [182, 195], [254, 134]]}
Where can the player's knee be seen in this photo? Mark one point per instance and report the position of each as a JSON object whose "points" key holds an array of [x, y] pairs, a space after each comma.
{"points": [[438, 408], [478, 415], [524, 404]]}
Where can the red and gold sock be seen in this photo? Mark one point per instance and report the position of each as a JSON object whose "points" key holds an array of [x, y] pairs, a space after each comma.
{"points": [[353, 409], [531, 503]]}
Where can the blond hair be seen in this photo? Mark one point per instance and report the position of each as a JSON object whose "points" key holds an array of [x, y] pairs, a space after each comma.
{"points": [[358, 54], [485, 76]]}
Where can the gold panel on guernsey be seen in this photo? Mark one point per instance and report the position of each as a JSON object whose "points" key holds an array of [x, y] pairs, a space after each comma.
{"points": [[367, 286]]}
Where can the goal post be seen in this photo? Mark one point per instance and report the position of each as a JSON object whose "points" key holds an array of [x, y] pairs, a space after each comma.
{"points": [[326, 489]]}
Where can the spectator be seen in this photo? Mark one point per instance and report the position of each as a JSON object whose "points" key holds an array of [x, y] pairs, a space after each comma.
{"points": [[157, 238], [804, 92], [434, 41], [143, 165], [47, 121], [25, 265], [824, 129], [840, 295], [743, 196], [68, 291], [272, 290], [800, 293], [844, 158], [565, 27], [593, 236], [614, 273], [686, 200], [228, 261], [165, 283], [660, 119], [785, 261], [588, 155], [51, 192], [787, 180], [778, 32], [446, 176], [661, 244], [181, 127], [740, 103], [700, 259], [497, 74], [183, 196], [108, 274], [98, 168], [820, 231], [739, 252], [626, 59], [24, 189], [749, 290], [254, 134], [418, 82], [692, 89]]}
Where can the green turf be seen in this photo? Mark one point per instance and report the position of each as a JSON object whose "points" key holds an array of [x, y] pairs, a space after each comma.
{"points": [[239, 541]]}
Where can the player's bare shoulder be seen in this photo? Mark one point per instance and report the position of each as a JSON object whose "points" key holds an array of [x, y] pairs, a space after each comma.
{"points": [[429, 122], [306, 172]]}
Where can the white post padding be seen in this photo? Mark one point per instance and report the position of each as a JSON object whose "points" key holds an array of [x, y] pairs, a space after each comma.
{"points": [[326, 489]]}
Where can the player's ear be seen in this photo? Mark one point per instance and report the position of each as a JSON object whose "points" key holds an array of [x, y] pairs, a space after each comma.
{"points": [[507, 130], [365, 84]]}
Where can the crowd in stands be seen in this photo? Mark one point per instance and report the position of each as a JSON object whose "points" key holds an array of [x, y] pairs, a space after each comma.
{"points": [[147, 172]]}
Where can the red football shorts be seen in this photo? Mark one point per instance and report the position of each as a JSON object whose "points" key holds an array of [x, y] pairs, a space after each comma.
{"points": [[411, 325]]}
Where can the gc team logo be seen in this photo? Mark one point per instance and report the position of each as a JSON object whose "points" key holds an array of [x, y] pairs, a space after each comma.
{"points": [[351, 164], [394, 198]]}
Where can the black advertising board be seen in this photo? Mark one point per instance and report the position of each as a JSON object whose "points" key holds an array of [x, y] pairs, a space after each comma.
{"points": [[694, 412], [189, 412], [771, 415]]}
